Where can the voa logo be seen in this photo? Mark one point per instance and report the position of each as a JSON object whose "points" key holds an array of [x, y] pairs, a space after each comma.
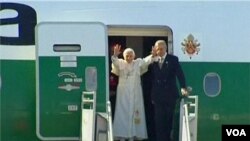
{"points": [[25, 19], [236, 132]]}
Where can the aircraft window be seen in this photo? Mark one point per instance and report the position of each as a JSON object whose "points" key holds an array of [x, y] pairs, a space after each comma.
{"points": [[91, 78], [212, 84]]}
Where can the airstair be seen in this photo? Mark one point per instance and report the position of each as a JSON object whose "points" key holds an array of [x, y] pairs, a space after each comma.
{"points": [[188, 118], [95, 126]]}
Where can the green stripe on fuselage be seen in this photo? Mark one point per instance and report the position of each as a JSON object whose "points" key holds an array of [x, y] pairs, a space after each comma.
{"points": [[231, 106]]}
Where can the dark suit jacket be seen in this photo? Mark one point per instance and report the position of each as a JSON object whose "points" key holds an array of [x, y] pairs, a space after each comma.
{"points": [[164, 86]]}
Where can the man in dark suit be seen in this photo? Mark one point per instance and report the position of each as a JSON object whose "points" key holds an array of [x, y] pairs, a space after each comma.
{"points": [[165, 70]]}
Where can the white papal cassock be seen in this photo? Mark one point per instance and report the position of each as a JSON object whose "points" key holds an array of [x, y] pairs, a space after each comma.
{"points": [[129, 119]]}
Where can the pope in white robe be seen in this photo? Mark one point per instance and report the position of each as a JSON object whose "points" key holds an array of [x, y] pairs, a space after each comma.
{"points": [[129, 120]]}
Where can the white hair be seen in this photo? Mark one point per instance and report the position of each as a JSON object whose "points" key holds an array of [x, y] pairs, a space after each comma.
{"points": [[128, 50], [161, 42]]}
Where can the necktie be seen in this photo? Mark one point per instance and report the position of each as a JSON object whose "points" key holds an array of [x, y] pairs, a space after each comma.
{"points": [[161, 62]]}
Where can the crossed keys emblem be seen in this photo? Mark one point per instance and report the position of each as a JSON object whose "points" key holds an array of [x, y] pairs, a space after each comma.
{"points": [[190, 46]]}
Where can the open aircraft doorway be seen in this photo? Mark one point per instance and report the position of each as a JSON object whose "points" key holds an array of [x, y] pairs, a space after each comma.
{"points": [[140, 39]]}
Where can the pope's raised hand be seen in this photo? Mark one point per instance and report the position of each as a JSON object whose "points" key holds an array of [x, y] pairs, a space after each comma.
{"points": [[117, 49]]}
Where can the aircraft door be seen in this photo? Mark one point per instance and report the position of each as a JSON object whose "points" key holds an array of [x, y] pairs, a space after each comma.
{"points": [[71, 58]]}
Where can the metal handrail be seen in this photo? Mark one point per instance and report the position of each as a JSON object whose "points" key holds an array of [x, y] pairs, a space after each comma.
{"points": [[185, 106], [188, 119], [110, 127]]}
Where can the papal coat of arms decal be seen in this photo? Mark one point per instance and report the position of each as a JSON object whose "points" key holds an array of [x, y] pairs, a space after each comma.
{"points": [[190, 46]]}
